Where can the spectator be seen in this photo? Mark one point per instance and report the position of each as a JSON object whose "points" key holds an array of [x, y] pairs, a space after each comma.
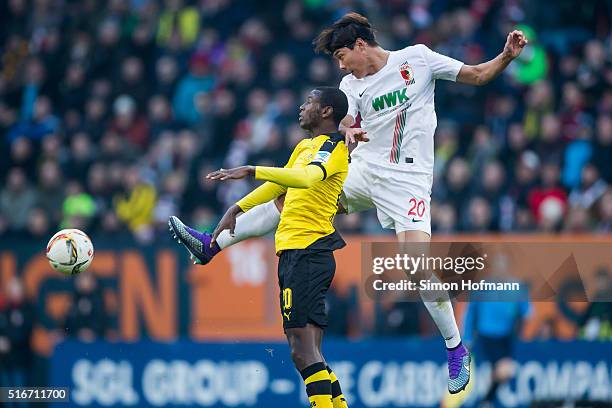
{"points": [[128, 124], [479, 216], [86, 319], [73, 90], [16, 321], [539, 103], [605, 213], [169, 200], [492, 188], [602, 150], [532, 66], [83, 155], [549, 193], [525, 178], [577, 153], [135, 205], [198, 80], [255, 130], [17, 199], [23, 155], [166, 70], [577, 221], [178, 25], [282, 72], [43, 122], [95, 117], [161, 115], [482, 150], [319, 72], [132, 81], [444, 218], [79, 207], [591, 188], [51, 188], [550, 146], [457, 182]]}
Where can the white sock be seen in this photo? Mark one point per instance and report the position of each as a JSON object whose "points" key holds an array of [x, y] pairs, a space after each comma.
{"points": [[441, 310], [258, 221]]}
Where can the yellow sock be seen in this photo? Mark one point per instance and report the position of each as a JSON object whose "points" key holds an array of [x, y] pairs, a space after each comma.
{"points": [[318, 385], [337, 396], [321, 401]]}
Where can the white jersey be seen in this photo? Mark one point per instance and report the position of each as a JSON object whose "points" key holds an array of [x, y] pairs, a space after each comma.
{"points": [[397, 108]]}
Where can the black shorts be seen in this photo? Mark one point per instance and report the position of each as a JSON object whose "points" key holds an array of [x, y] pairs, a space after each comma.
{"points": [[304, 275]]}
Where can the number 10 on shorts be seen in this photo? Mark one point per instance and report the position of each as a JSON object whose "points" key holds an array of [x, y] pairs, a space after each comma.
{"points": [[287, 298]]}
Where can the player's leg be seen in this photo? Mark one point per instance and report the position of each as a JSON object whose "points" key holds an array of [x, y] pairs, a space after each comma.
{"points": [[262, 222], [403, 203], [258, 221], [437, 302], [440, 309], [337, 395], [309, 362], [304, 276]]}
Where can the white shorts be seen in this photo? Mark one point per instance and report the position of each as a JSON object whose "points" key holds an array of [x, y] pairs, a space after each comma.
{"points": [[402, 199]]}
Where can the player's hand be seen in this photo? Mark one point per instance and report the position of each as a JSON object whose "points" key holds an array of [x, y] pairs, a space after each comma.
{"points": [[353, 135], [235, 173], [227, 222], [515, 43]]}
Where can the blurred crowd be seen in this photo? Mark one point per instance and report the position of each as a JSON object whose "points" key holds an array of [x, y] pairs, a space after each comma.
{"points": [[87, 318], [111, 112]]}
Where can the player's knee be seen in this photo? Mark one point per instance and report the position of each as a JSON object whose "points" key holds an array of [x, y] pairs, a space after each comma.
{"points": [[280, 202], [303, 358], [302, 354], [299, 359]]}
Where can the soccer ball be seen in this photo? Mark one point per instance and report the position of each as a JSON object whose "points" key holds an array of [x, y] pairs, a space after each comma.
{"points": [[70, 251]]}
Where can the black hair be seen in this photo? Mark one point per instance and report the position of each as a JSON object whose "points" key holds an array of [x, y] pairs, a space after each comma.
{"points": [[334, 97], [344, 33]]}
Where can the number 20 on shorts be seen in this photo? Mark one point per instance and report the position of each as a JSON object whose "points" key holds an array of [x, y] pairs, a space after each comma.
{"points": [[417, 207]]}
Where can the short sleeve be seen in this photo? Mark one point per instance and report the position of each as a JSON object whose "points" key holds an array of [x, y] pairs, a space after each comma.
{"points": [[332, 157], [442, 67], [353, 109]]}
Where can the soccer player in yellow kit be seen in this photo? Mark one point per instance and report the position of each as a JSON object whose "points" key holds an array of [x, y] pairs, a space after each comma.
{"points": [[305, 239]]}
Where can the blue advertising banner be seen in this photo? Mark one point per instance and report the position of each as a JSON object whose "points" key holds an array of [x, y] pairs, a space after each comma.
{"points": [[373, 373]]}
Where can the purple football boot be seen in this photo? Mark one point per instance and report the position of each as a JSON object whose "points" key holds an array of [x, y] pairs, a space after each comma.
{"points": [[458, 368], [197, 243]]}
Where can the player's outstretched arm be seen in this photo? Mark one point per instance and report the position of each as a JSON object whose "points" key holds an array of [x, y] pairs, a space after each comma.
{"points": [[300, 177], [483, 73]]}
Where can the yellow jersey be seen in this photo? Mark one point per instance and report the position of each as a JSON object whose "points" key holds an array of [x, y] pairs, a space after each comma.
{"points": [[308, 213]]}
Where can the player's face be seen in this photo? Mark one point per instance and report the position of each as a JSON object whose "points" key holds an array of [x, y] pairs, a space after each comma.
{"points": [[352, 61], [310, 111]]}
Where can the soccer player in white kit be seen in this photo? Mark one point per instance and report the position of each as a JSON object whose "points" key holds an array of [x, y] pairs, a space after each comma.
{"points": [[392, 170]]}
